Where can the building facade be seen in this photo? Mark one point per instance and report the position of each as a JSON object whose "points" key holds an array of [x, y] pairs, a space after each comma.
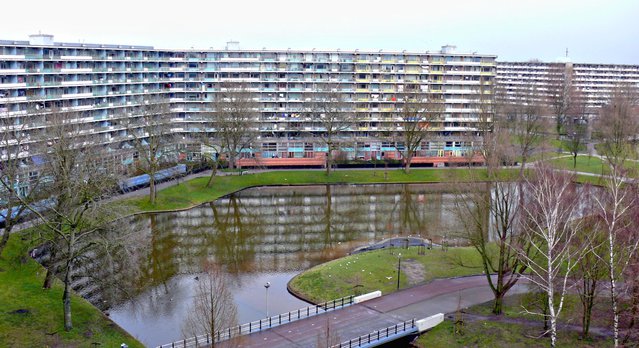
{"points": [[103, 84], [589, 84]]}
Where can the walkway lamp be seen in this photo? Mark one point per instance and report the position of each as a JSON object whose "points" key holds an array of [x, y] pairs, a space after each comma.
{"points": [[266, 286], [399, 267]]}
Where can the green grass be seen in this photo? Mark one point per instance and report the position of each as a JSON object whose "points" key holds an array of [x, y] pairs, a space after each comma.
{"points": [[501, 334], [42, 326], [564, 145], [497, 334], [194, 192], [370, 271], [585, 164]]}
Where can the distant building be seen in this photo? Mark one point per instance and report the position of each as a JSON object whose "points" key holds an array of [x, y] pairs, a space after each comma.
{"points": [[591, 84]]}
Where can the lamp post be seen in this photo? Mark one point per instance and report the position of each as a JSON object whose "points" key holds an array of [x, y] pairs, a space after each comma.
{"points": [[399, 267], [266, 286]]}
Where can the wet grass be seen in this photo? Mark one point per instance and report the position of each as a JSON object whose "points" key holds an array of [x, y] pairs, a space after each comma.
{"points": [[377, 270], [32, 317]]}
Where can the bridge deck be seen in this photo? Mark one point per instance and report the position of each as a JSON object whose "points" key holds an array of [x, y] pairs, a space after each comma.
{"points": [[439, 296]]}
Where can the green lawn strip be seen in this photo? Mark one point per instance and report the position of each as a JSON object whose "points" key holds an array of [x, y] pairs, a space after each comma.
{"points": [[377, 270], [41, 323], [193, 192], [497, 334]]}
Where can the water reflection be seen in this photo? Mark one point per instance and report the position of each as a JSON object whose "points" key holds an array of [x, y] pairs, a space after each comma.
{"points": [[257, 235]]}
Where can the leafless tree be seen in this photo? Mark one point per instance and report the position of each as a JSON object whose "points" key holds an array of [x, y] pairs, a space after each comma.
{"points": [[18, 179], [618, 125], [522, 116], [328, 337], [416, 110], [489, 214], [615, 208], [560, 94], [149, 127], [213, 308], [551, 223], [575, 127], [78, 181], [591, 270], [331, 116], [235, 121]]}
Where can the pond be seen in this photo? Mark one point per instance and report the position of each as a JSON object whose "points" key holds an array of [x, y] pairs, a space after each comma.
{"points": [[259, 235]]}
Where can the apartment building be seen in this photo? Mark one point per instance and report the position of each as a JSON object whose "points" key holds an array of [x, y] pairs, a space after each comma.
{"points": [[104, 83], [543, 82]]}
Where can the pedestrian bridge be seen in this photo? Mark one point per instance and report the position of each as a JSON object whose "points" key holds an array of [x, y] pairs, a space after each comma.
{"points": [[364, 321]]}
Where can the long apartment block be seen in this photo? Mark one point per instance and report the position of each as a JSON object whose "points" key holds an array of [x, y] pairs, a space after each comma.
{"points": [[104, 82], [592, 84]]}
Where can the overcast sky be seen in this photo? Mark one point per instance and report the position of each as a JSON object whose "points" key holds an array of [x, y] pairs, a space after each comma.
{"points": [[593, 30]]}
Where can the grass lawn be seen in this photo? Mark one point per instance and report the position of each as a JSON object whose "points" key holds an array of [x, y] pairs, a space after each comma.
{"points": [[483, 333], [498, 334], [377, 270], [586, 164], [32, 317], [194, 192]]}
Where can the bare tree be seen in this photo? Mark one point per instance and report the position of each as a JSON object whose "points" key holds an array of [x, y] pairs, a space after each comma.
{"points": [[78, 181], [551, 223], [618, 126], [560, 93], [328, 337], [331, 117], [150, 130], [19, 180], [615, 207], [591, 270], [489, 214], [235, 121], [416, 110], [522, 115], [213, 308]]}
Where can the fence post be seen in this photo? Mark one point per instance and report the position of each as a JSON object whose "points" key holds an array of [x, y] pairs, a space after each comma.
{"points": [[289, 316], [279, 319]]}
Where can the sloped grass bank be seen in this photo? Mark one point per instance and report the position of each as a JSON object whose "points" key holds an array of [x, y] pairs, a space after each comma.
{"points": [[32, 317]]}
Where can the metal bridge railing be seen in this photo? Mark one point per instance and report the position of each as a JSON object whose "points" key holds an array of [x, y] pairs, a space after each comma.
{"points": [[263, 324], [378, 335]]}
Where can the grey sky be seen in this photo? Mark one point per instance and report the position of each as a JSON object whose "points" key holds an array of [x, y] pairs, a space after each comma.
{"points": [[592, 30]]}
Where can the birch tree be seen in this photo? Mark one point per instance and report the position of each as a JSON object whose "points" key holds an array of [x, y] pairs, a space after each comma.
{"points": [[615, 207], [551, 223], [618, 125]]}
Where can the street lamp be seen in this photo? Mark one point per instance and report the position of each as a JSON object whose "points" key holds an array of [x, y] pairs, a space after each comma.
{"points": [[399, 267], [266, 286]]}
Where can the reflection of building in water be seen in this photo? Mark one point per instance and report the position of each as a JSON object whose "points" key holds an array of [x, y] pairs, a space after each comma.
{"points": [[286, 229]]}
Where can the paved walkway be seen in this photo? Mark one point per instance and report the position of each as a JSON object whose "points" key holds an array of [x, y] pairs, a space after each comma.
{"points": [[439, 296]]}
